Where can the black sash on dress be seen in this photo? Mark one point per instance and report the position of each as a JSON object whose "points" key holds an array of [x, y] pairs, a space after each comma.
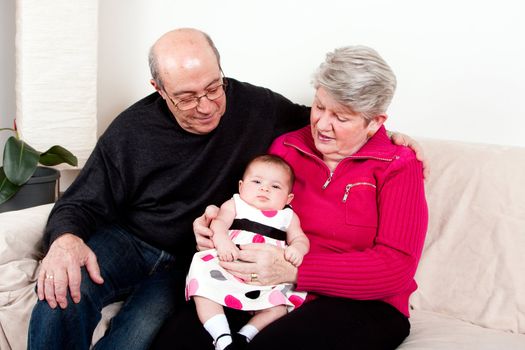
{"points": [[256, 227]]}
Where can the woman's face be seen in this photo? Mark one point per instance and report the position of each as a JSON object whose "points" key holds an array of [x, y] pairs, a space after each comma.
{"points": [[337, 131]]}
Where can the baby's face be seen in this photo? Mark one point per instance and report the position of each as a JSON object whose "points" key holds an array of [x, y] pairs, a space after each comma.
{"points": [[265, 186]]}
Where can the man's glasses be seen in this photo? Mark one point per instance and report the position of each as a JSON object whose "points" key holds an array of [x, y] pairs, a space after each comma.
{"points": [[211, 94]]}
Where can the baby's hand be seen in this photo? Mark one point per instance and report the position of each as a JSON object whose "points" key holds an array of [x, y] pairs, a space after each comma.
{"points": [[293, 255], [226, 250]]}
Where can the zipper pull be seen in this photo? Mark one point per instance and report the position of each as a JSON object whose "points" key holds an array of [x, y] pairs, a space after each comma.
{"points": [[347, 189], [327, 182]]}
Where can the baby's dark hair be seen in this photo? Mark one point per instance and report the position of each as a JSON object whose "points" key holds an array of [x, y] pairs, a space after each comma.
{"points": [[276, 160]]}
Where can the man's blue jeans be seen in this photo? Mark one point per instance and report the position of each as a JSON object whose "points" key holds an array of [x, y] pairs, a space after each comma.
{"points": [[143, 276]]}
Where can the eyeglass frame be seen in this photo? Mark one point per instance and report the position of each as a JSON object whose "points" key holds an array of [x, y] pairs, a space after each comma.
{"points": [[222, 85]]}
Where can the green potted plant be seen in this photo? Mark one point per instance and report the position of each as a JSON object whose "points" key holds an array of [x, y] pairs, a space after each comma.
{"points": [[20, 164]]}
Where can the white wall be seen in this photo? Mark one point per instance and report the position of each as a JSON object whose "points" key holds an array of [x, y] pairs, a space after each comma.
{"points": [[459, 63], [7, 69]]}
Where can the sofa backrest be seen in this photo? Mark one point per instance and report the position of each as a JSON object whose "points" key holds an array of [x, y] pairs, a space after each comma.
{"points": [[473, 263]]}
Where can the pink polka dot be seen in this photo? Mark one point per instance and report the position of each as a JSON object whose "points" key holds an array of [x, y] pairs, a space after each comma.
{"points": [[232, 302], [269, 213], [192, 287], [207, 257], [277, 298], [234, 234], [296, 300], [258, 239]]}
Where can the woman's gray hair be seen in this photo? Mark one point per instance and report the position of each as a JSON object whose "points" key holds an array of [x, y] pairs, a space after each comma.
{"points": [[357, 77], [154, 63]]}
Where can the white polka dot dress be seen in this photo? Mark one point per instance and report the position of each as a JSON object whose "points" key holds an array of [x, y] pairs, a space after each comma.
{"points": [[208, 279]]}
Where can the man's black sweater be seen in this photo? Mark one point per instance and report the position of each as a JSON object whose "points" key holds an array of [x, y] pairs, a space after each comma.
{"points": [[152, 177]]}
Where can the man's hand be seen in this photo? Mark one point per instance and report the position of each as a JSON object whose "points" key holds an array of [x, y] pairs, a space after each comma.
{"points": [[60, 269], [201, 228], [405, 140]]}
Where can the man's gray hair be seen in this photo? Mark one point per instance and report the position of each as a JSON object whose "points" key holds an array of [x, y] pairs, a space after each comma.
{"points": [[154, 63], [357, 77]]}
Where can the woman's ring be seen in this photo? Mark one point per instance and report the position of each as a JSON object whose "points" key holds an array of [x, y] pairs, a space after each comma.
{"points": [[49, 277], [253, 277]]}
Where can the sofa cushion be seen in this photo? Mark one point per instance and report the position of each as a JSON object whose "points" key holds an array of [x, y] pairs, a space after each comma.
{"points": [[473, 264], [438, 332]]}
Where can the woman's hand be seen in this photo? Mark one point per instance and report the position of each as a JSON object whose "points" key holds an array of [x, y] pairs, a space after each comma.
{"points": [[262, 264], [201, 228], [405, 140]]}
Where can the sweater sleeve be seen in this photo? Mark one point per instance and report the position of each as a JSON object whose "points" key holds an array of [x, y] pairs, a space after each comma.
{"points": [[91, 200], [388, 267]]}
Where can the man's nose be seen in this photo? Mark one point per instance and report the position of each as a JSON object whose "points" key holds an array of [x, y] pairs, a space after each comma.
{"points": [[204, 105]]}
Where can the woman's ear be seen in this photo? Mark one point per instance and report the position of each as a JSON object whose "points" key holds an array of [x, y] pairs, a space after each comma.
{"points": [[240, 185], [375, 124]]}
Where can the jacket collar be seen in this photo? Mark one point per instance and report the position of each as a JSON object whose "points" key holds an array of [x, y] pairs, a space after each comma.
{"points": [[378, 146]]}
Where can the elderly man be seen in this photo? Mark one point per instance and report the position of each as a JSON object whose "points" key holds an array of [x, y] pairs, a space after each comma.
{"points": [[123, 230]]}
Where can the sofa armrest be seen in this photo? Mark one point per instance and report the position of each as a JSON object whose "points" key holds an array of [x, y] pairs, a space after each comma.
{"points": [[20, 250], [20, 246]]}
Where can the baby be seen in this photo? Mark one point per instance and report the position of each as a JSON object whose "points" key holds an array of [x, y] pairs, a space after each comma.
{"points": [[258, 214]]}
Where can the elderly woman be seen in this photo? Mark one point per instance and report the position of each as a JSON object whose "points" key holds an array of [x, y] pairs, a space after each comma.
{"points": [[361, 202]]}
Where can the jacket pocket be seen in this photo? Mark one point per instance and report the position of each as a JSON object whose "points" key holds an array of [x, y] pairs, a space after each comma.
{"points": [[360, 204]]}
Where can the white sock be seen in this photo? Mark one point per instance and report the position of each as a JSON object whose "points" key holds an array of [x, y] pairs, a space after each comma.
{"points": [[217, 326], [249, 331]]}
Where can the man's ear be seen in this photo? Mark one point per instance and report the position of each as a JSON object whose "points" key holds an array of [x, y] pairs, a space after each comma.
{"points": [[290, 197], [155, 86]]}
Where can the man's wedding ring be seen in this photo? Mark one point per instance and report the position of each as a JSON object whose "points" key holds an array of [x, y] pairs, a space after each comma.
{"points": [[253, 277]]}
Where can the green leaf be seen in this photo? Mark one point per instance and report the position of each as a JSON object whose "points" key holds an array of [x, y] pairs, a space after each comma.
{"points": [[20, 161], [57, 155], [7, 188]]}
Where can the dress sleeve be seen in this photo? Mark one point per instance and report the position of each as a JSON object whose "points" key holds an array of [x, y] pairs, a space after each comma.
{"points": [[388, 267]]}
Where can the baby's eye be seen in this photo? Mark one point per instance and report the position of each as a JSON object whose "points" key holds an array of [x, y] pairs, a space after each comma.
{"points": [[276, 187], [256, 181]]}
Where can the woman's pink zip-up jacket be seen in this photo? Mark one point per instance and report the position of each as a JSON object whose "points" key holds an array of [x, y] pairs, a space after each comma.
{"points": [[366, 220]]}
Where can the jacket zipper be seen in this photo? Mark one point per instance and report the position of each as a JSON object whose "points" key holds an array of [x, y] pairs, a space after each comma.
{"points": [[349, 186], [327, 182]]}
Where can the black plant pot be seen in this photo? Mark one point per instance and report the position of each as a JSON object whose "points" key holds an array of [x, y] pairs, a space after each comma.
{"points": [[42, 188]]}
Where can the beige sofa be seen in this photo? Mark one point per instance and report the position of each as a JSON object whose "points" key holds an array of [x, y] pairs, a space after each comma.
{"points": [[471, 277]]}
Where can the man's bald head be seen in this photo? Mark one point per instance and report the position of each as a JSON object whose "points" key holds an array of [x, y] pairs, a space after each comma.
{"points": [[179, 47]]}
